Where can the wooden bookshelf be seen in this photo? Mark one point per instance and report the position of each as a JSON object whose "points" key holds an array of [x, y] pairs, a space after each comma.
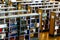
{"points": [[46, 11], [40, 12], [55, 20], [46, 21], [52, 23]]}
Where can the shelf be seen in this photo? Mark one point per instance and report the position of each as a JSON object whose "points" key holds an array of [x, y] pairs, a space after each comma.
{"points": [[13, 11], [7, 8], [22, 1], [2, 17], [2, 4], [17, 25]]}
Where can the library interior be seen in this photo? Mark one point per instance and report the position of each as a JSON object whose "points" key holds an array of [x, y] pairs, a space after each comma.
{"points": [[29, 19]]}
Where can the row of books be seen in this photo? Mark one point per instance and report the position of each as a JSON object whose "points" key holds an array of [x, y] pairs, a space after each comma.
{"points": [[19, 27]]}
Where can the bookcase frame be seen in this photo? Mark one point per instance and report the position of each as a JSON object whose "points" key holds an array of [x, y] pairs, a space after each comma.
{"points": [[54, 26], [10, 18]]}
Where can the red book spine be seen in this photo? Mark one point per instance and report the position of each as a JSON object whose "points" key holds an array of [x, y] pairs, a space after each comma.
{"points": [[0, 29]]}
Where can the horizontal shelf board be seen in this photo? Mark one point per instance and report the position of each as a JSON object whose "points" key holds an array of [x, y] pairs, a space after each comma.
{"points": [[32, 14], [56, 11], [50, 8], [21, 1], [44, 5], [13, 11], [2, 4], [7, 7], [38, 3]]}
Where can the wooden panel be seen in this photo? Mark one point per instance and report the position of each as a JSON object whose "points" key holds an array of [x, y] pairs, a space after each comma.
{"points": [[3, 1], [40, 12], [10, 3], [19, 6], [52, 23], [29, 9]]}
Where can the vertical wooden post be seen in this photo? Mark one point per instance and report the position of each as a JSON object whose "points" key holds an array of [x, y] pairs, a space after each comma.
{"points": [[40, 11], [19, 8], [9, 3], [52, 23], [29, 9], [3, 1]]}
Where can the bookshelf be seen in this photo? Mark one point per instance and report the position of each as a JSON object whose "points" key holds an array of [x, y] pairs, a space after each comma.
{"points": [[27, 3], [45, 14], [31, 27], [21, 26], [55, 20], [18, 3], [7, 8], [10, 23], [44, 6], [3, 30], [46, 17], [39, 3]]}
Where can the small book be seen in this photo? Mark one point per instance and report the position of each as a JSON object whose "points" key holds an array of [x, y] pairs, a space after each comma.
{"points": [[0, 30]]}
